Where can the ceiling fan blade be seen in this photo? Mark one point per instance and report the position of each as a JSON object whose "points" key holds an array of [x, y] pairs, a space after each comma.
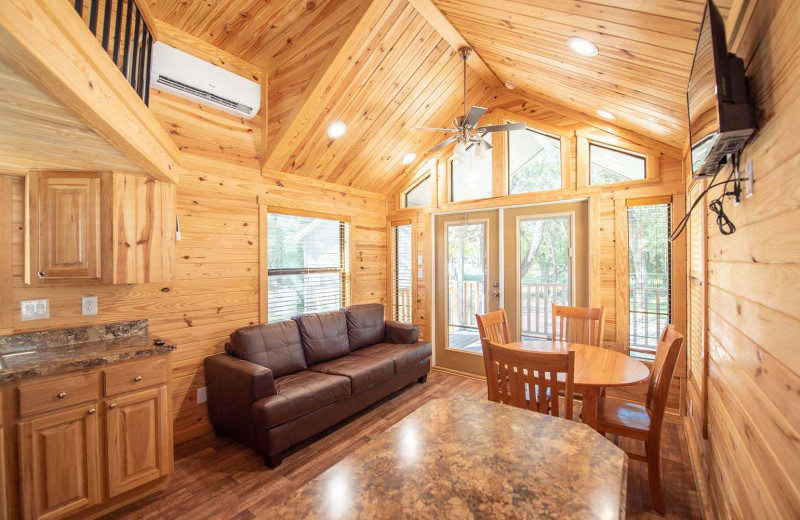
{"points": [[432, 129], [475, 114], [441, 145], [501, 128]]}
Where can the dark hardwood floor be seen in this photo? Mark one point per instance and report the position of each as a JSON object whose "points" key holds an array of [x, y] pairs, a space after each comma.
{"points": [[219, 478]]}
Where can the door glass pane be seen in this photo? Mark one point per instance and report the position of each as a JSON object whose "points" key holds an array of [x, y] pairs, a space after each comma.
{"points": [[403, 270], [649, 270], [534, 161], [466, 291], [419, 195], [545, 272], [471, 173]]}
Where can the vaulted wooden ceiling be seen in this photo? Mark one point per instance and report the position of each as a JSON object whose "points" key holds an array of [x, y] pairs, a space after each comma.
{"points": [[384, 66]]}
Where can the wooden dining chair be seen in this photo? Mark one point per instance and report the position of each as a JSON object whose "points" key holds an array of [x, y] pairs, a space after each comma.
{"points": [[492, 327], [528, 379], [643, 422], [579, 324]]}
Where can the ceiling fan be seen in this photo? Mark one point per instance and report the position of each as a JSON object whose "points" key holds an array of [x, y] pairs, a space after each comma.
{"points": [[465, 128]]}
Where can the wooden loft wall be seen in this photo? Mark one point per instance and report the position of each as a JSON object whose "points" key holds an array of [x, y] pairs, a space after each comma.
{"points": [[749, 465], [216, 285], [605, 203]]}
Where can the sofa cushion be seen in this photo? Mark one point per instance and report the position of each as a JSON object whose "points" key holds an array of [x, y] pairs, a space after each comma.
{"points": [[298, 394], [363, 372], [324, 336], [365, 324], [402, 356], [276, 346]]}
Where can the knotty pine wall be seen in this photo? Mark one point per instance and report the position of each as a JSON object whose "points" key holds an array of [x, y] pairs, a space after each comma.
{"points": [[603, 202], [216, 285], [749, 466]]}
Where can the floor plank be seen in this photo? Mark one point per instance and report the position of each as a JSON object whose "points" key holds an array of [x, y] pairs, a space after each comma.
{"points": [[219, 478]]}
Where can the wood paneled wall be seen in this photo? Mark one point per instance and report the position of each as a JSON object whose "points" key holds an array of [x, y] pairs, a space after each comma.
{"points": [[749, 466], [216, 285], [602, 221]]}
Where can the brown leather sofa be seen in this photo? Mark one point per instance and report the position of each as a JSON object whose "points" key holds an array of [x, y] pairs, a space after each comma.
{"points": [[279, 384]]}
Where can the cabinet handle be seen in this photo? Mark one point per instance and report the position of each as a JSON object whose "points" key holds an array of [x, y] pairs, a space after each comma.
{"points": [[112, 405], [42, 274], [92, 411], [137, 378], [62, 395]]}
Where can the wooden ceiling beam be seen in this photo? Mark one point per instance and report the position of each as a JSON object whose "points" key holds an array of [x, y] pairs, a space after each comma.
{"points": [[318, 92], [439, 21]]}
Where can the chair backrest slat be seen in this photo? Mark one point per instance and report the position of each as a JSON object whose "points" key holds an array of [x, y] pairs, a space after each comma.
{"points": [[529, 380], [667, 355], [579, 324], [492, 328]]}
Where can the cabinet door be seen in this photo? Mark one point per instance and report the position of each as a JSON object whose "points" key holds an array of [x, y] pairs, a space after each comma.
{"points": [[139, 447], [69, 216], [59, 463]]}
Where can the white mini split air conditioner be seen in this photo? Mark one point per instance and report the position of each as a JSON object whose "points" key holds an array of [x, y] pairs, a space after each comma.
{"points": [[184, 75]]}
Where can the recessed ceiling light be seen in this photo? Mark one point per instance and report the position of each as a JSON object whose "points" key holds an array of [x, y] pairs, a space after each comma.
{"points": [[409, 158], [582, 46], [336, 129], [510, 85], [606, 114]]}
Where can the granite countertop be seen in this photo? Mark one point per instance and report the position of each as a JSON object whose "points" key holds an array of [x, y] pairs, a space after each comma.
{"points": [[465, 459], [36, 354]]}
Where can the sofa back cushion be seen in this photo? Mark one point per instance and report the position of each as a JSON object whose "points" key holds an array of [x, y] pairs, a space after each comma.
{"points": [[324, 336], [276, 346], [365, 325]]}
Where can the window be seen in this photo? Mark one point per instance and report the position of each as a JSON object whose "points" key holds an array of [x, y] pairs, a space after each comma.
{"points": [[308, 269], [608, 166], [649, 276], [471, 173], [419, 195], [403, 271], [534, 161]]}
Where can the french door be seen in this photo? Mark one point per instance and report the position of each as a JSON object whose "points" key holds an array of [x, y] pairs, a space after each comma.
{"points": [[523, 259]]}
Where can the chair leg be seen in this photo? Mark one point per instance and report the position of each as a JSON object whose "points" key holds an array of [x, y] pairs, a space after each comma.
{"points": [[654, 476]]}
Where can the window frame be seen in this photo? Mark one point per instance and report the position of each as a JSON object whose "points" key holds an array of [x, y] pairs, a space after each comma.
{"points": [[651, 162], [564, 149], [426, 173], [263, 256]]}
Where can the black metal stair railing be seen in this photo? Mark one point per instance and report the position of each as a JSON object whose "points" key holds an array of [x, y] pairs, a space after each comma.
{"points": [[122, 31]]}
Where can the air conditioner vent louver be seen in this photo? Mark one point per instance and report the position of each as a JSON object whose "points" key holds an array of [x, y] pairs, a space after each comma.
{"points": [[239, 107]]}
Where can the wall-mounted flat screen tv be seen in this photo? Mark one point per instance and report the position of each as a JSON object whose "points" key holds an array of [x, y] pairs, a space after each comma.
{"points": [[720, 117]]}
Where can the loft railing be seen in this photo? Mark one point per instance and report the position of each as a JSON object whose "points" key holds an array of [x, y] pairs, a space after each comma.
{"points": [[123, 32]]}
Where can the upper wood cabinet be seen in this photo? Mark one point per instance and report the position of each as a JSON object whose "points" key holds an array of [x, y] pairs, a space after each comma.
{"points": [[113, 227], [60, 463], [67, 209]]}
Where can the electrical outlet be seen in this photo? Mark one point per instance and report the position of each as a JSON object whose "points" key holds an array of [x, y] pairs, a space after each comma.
{"points": [[202, 395], [35, 309], [89, 305]]}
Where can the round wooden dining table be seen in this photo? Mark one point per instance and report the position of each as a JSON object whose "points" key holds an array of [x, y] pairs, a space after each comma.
{"points": [[596, 368]]}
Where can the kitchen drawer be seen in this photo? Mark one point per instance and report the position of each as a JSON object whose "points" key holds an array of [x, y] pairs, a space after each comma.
{"points": [[57, 393], [132, 376]]}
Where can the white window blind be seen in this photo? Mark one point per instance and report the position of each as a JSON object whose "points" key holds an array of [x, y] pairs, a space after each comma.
{"points": [[650, 276], [696, 305], [403, 272], [534, 161], [607, 166], [308, 265]]}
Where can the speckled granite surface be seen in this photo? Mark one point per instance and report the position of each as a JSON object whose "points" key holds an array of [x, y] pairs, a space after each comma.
{"points": [[36, 354], [464, 459]]}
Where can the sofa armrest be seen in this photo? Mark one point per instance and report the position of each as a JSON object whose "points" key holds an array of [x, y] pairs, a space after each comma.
{"points": [[233, 386], [401, 333]]}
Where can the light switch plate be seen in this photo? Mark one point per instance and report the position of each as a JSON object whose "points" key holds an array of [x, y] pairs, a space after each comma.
{"points": [[202, 395], [35, 309], [89, 305]]}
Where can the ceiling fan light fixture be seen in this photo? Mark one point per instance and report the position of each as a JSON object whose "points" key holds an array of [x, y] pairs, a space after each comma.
{"points": [[605, 114], [336, 129], [409, 158], [583, 46]]}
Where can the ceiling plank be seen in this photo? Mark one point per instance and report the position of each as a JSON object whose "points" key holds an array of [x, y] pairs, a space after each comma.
{"points": [[437, 19], [317, 93]]}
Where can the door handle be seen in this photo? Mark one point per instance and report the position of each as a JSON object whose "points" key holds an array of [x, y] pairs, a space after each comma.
{"points": [[495, 294], [495, 284]]}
